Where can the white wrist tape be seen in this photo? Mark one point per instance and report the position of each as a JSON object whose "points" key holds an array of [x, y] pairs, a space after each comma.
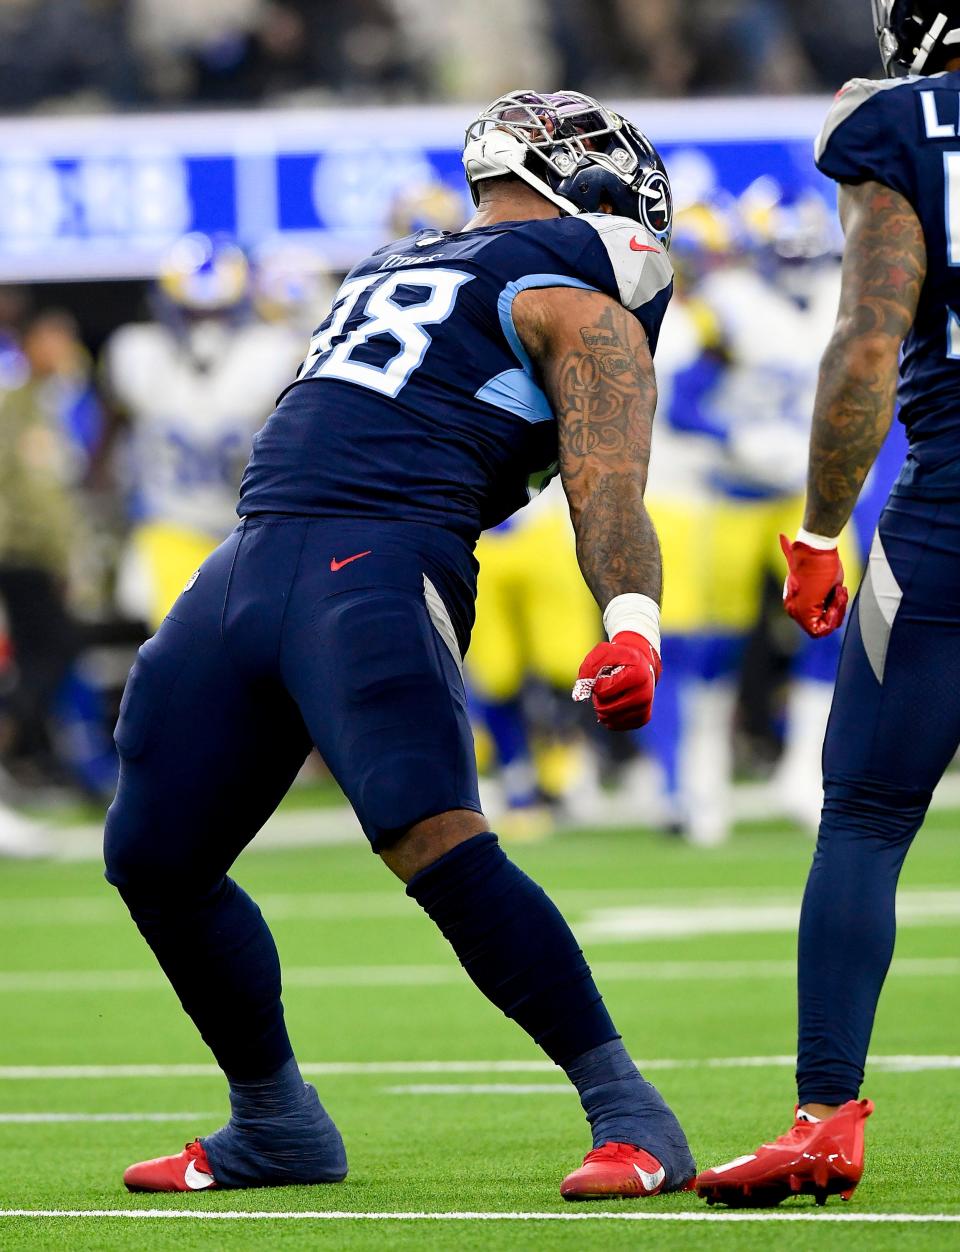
{"points": [[636, 613], [821, 542]]}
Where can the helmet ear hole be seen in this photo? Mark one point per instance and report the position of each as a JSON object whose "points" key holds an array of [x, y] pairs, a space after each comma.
{"points": [[492, 155]]}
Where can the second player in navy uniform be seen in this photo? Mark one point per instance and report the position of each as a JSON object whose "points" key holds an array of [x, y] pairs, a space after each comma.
{"points": [[894, 148], [451, 369]]}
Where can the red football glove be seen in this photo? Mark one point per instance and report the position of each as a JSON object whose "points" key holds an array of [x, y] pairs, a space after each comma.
{"points": [[620, 677], [814, 594]]}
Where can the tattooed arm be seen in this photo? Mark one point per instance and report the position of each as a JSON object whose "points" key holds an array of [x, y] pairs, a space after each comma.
{"points": [[595, 366], [884, 267]]}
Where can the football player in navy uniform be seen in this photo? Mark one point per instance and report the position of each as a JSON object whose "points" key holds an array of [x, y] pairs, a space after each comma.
{"points": [[452, 368], [894, 148]]}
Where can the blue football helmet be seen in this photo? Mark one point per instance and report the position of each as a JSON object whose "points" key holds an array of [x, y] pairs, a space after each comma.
{"points": [[575, 152], [917, 36], [205, 275], [427, 206], [791, 225]]}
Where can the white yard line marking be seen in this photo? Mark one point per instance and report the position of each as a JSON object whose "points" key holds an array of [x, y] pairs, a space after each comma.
{"points": [[633, 924], [878, 1064], [324, 1069], [20, 1073], [42, 1119], [60, 982], [239, 1215], [482, 1088]]}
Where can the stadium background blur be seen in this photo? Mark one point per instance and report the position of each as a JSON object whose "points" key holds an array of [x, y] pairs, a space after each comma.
{"points": [[285, 140], [290, 137]]}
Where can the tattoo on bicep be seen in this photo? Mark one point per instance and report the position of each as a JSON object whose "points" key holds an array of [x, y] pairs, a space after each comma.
{"points": [[605, 396], [885, 263]]}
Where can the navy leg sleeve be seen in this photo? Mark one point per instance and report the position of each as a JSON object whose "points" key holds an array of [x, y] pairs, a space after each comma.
{"points": [[894, 728], [515, 945]]}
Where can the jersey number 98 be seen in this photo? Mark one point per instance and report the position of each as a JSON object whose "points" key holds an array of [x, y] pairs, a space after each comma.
{"points": [[369, 308]]}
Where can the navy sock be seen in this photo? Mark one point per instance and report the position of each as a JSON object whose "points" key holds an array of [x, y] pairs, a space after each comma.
{"points": [[278, 1133], [622, 1107], [515, 945]]}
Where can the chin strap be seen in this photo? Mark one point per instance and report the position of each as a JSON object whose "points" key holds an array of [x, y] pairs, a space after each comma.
{"points": [[497, 153]]}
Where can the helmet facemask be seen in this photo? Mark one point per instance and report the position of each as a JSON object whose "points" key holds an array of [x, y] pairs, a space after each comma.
{"points": [[572, 150], [559, 129]]}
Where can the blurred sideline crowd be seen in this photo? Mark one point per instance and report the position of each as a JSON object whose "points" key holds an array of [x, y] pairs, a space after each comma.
{"points": [[119, 474], [85, 54]]}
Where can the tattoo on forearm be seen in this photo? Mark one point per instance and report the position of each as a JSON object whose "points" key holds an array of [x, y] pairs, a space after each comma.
{"points": [[605, 396], [617, 545], [885, 265]]}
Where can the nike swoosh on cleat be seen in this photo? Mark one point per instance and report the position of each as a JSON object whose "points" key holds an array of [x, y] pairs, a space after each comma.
{"points": [[637, 246], [737, 1160], [335, 564], [196, 1179], [651, 1181]]}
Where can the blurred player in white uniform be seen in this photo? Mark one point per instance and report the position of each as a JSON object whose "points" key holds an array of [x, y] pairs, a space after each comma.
{"points": [[690, 359], [193, 387], [290, 282], [736, 391], [776, 308], [803, 244]]}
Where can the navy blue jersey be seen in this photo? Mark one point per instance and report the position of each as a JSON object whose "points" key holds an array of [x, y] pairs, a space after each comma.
{"points": [[417, 401], [905, 133]]}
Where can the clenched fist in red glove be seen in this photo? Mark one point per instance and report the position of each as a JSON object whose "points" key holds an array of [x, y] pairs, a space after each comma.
{"points": [[814, 594], [620, 677]]}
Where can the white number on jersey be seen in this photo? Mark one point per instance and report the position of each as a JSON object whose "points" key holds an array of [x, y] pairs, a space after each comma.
{"points": [[951, 176], [382, 316]]}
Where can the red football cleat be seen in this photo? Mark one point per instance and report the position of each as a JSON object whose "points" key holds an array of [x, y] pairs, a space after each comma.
{"points": [[813, 1158], [189, 1170], [615, 1169]]}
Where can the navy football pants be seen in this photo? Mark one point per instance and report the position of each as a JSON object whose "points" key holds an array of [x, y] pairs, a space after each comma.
{"points": [[894, 728], [279, 644]]}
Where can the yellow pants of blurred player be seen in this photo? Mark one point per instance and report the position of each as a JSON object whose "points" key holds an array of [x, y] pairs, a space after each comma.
{"points": [[535, 616], [682, 526], [742, 546], [164, 556]]}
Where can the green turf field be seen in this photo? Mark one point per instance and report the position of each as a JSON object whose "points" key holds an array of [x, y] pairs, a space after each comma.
{"points": [[445, 1106]]}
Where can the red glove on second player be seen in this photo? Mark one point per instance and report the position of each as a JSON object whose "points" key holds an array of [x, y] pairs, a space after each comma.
{"points": [[814, 594], [620, 677]]}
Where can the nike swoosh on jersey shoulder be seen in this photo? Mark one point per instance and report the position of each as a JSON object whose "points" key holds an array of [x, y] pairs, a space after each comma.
{"points": [[641, 272]]}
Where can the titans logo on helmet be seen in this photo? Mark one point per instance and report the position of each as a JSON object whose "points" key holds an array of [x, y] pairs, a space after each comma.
{"points": [[656, 203]]}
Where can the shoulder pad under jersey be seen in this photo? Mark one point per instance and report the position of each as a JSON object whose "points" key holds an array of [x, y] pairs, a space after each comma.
{"points": [[639, 264], [868, 132]]}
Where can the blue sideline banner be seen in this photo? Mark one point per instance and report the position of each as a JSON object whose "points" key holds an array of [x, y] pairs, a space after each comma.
{"points": [[103, 197]]}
